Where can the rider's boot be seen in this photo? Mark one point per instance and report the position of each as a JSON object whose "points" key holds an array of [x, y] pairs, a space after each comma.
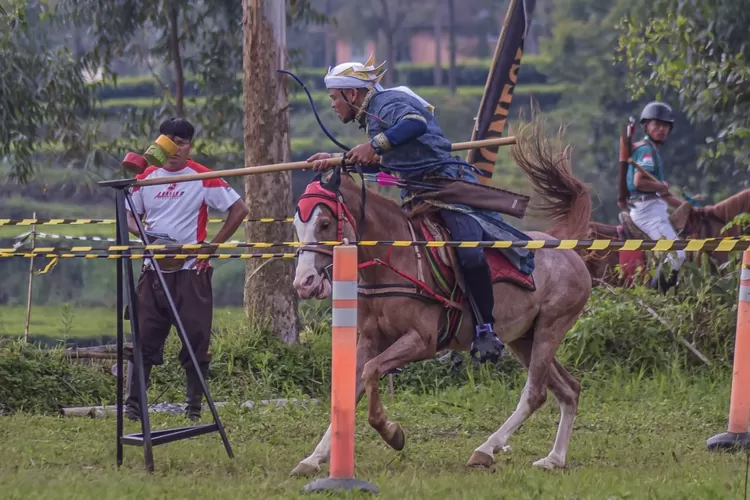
{"points": [[486, 345], [132, 399], [661, 282], [194, 392], [664, 283]]}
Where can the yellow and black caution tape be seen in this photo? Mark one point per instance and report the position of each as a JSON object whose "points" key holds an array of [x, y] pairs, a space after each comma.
{"points": [[689, 245], [172, 247], [136, 256], [114, 256], [80, 222]]}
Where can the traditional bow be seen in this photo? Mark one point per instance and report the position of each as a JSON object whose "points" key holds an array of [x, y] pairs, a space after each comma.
{"points": [[315, 111]]}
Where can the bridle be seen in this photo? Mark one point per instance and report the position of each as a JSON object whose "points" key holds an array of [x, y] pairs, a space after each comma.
{"points": [[331, 198]]}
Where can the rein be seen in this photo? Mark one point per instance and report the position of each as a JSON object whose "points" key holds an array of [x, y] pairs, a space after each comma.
{"points": [[336, 203]]}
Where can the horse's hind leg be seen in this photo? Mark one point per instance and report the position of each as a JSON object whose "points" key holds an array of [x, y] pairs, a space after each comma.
{"points": [[537, 352], [529, 401], [409, 347], [566, 390]]}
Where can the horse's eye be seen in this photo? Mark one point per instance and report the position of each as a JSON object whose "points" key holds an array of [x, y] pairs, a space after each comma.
{"points": [[325, 223]]}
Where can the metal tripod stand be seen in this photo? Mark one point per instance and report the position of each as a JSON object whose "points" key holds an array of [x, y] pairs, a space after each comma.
{"points": [[146, 438]]}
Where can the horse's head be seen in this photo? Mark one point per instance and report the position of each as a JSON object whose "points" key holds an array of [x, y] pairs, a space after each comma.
{"points": [[320, 216], [708, 221]]}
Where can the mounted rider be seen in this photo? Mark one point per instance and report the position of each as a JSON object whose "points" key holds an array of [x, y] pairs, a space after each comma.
{"points": [[402, 130], [649, 199]]}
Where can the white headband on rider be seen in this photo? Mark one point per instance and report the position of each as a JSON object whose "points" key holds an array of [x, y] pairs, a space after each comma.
{"points": [[354, 75]]}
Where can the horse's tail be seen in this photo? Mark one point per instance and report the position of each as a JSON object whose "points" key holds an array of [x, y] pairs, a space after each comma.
{"points": [[564, 198]]}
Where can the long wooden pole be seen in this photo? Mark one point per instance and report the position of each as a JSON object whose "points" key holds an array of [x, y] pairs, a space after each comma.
{"points": [[301, 165]]}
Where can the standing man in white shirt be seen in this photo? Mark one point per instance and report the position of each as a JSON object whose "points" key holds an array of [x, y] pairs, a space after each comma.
{"points": [[179, 212]]}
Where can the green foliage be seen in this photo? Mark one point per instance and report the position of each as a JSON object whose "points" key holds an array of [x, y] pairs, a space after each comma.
{"points": [[46, 97], [583, 54], [44, 94], [468, 74], [616, 333], [742, 222], [697, 49], [617, 329], [43, 381]]}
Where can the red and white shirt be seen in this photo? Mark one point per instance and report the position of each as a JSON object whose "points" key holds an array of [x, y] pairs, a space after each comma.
{"points": [[180, 210]]}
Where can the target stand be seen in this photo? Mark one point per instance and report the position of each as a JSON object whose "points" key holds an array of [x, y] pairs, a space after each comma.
{"points": [[126, 284]]}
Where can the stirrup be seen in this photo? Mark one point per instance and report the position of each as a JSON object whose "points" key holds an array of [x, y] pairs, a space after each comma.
{"points": [[486, 344]]}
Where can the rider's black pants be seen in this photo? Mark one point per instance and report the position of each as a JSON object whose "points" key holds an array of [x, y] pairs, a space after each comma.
{"points": [[476, 271]]}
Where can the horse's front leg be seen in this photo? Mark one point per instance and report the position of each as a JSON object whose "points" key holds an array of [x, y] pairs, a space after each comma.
{"points": [[409, 347], [311, 464]]}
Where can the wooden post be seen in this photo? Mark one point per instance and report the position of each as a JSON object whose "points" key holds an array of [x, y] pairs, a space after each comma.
{"points": [[269, 293], [31, 282], [437, 27], [452, 83]]}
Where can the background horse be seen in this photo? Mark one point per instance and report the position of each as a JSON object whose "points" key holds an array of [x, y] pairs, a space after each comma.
{"points": [[394, 330], [689, 222]]}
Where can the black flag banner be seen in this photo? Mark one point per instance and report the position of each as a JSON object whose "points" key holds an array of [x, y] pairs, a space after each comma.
{"points": [[501, 80]]}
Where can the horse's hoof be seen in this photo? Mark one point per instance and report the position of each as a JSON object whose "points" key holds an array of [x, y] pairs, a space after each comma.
{"points": [[398, 438], [304, 470], [480, 460], [548, 463]]}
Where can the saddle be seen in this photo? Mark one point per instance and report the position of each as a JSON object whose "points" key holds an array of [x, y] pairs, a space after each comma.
{"points": [[628, 230], [446, 269], [681, 218]]}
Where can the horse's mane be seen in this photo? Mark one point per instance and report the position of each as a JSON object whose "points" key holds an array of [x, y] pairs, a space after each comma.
{"points": [[728, 209]]}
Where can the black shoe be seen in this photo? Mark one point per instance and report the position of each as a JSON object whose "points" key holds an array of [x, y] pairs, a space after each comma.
{"points": [[132, 401], [194, 393], [662, 283], [487, 345]]}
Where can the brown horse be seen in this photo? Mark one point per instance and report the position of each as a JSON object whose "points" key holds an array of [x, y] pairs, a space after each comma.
{"points": [[394, 330], [689, 222]]}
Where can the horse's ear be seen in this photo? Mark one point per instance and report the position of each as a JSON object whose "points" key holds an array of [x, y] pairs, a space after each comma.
{"points": [[317, 178], [334, 181]]}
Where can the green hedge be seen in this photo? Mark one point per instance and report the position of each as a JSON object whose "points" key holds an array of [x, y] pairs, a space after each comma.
{"points": [[547, 95], [418, 75]]}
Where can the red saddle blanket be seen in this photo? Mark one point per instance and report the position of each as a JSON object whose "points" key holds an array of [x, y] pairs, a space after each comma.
{"points": [[630, 260], [501, 268]]}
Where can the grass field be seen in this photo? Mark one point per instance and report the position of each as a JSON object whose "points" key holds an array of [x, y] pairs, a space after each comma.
{"points": [[632, 439], [65, 322], [101, 230]]}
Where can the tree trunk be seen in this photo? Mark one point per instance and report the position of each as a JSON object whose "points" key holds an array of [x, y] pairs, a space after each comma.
{"points": [[328, 47], [452, 45], [174, 50], [269, 294], [390, 47], [388, 34], [438, 36]]}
